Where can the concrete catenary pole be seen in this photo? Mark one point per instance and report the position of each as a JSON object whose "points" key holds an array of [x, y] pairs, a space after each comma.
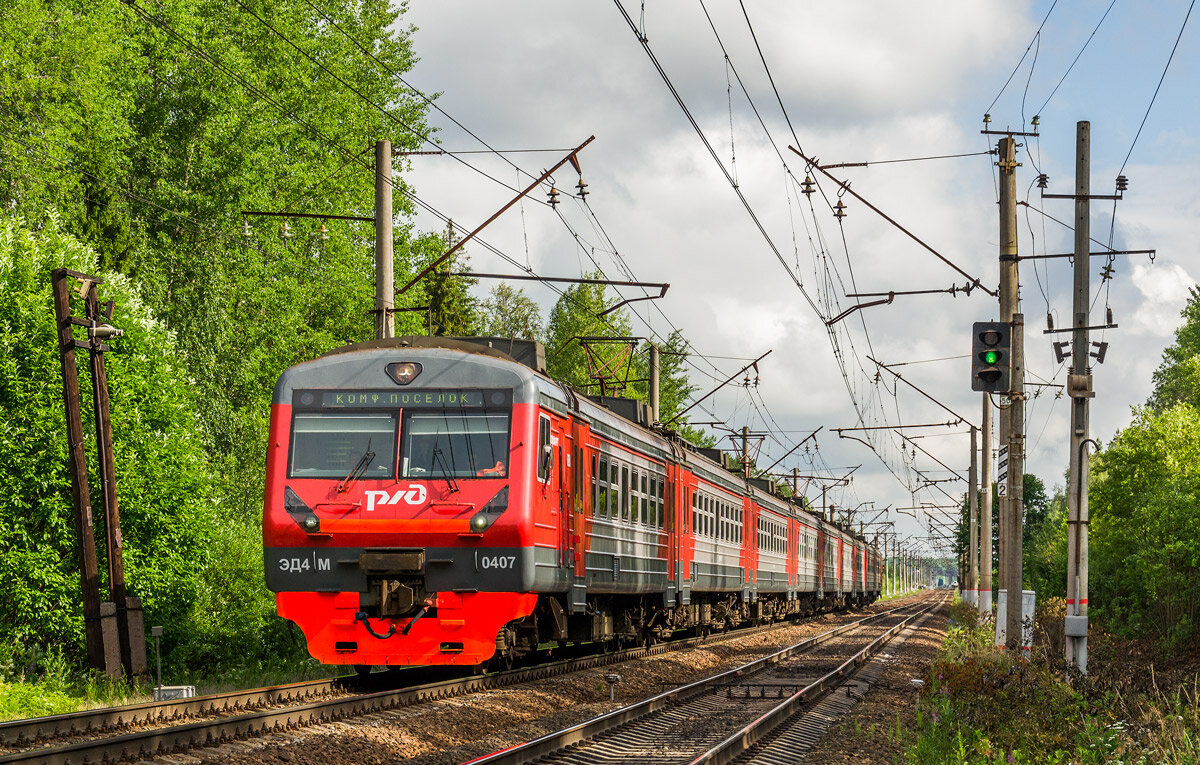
{"points": [[985, 524], [1011, 417], [972, 568], [1077, 478], [385, 299], [654, 394], [1016, 488]]}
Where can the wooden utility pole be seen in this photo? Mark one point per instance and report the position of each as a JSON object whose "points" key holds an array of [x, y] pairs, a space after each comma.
{"points": [[113, 631], [985, 526], [1080, 389], [385, 299], [1011, 416], [128, 610], [93, 632]]}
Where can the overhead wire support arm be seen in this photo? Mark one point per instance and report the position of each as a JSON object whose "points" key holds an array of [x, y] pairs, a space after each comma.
{"points": [[1099, 254], [714, 390], [889, 296], [661, 286], [846, 187], [794, 448], [450, 252], [316, 216], [886, 368]]}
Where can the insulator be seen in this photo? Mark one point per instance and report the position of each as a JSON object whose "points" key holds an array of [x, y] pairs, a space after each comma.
{"points": [[553, 197], [1108, 315], [1043, 180], [987, 118], [1049, 320], [807, 186], [246, 229], [1122, 183], [323, 234], [285, 231], [839, 210], [583, 192], [1035, 121]]}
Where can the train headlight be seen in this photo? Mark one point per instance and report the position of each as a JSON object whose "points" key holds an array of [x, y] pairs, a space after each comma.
{"points": [[480, 522], [403, 372], [312, 524]]}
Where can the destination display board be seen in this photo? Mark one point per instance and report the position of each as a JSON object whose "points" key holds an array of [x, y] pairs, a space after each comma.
{"points": [[401, 399]]}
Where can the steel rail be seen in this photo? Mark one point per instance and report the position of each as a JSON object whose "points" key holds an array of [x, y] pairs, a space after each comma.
{"points": [[554, 742], [737, 744], [151, 742], [15, 733]]}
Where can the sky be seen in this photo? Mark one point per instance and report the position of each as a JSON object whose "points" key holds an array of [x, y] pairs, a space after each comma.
{"points": [[846, 82]]}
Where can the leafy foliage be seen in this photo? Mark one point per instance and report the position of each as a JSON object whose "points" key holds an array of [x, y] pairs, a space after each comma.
{"points": [[176, 534], [508, 312], [1145, 504], [1177, 379]]}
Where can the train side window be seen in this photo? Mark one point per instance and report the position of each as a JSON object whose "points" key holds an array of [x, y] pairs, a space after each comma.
{"points": [[647, 504], [635, 498], [662, 504], [695, 512], [659, 511], [595, 485], [614, 490], [652, 499], [625, 492], [602, 488], [545, 455]]}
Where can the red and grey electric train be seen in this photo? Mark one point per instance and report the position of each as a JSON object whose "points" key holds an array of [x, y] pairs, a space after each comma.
{"points": [[441, 501]]}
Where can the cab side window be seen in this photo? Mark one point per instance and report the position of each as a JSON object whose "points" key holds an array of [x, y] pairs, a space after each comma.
{"points": [[545, 455]]}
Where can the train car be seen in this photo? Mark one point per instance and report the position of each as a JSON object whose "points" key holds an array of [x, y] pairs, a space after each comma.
{"points": [[443, 501]]}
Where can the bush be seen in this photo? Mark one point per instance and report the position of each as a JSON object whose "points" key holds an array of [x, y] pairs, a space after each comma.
{"points": [[196, 567]]}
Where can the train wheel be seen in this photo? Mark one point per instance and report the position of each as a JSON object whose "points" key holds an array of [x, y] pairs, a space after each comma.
{"points": [[362, 670], [502, 661]]}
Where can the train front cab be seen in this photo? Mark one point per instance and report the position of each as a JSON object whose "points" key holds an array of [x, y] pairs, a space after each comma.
{"points": [[398, 515]]}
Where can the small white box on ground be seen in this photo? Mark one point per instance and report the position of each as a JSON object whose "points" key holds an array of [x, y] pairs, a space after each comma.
{"points": [[1028, 602], [173, 692]]}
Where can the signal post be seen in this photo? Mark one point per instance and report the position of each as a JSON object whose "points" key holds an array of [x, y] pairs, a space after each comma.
{"points": [[998, 367]]}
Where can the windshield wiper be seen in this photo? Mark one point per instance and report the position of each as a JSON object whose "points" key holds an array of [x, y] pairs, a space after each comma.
{"points": [[441, 463], [358, 470]]}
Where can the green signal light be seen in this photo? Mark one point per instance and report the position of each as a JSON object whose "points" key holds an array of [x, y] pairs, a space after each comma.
{"points": [[991, 357]]}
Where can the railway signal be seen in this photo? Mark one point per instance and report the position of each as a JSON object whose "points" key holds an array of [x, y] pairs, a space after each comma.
{"points": [[991, 344]]}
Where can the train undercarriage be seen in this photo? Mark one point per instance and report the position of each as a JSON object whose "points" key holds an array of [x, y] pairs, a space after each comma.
{"points": [[613, 622]]}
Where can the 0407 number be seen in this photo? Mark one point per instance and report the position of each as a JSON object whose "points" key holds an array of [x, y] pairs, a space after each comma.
{"points": [[498, 561]]}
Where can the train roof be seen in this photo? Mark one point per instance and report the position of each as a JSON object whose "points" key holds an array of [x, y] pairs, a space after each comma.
{"points": [[521, 365]]}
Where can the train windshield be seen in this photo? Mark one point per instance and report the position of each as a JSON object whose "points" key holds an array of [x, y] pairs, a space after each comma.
{"points": [[454, 444], [333, 445]]}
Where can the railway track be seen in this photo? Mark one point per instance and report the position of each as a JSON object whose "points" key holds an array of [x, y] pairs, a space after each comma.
{"points": [[141, 731], [722, 718]]}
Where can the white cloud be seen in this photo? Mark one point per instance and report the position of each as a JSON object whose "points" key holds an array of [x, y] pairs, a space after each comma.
{"points": [[1165, 290]]}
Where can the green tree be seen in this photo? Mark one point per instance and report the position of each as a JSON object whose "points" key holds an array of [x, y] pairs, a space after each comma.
{"points": [[509, 312], [1145, 508], [1177, 374], [149, 134], [452, 311], [577, 314], [180, 544]]}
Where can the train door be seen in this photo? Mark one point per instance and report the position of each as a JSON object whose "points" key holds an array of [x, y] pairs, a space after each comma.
{"points": [[820, 558], [671, 529], [563, 440]]}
